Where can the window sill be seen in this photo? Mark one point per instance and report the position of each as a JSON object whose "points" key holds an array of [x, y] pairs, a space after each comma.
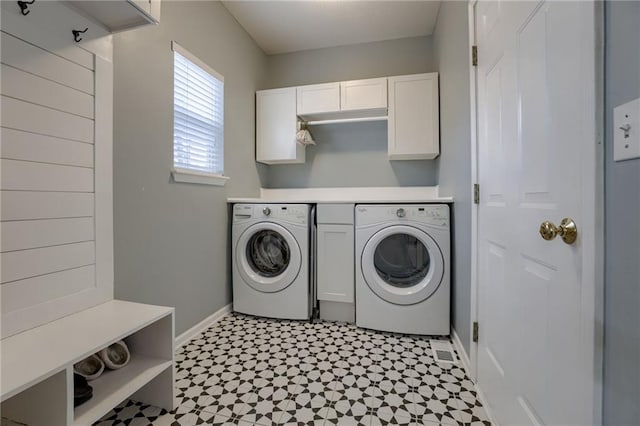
{"points": [[192, 176]]}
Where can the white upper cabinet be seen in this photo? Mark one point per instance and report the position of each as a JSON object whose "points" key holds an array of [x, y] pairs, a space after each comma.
{"points": [[276, 126], [363, 94], [120, 15], [409, 103], [318, 99], [346, 99], [413, 127]]}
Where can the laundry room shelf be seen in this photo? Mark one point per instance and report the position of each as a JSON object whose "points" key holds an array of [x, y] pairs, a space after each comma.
{"points": [[346, 120]]}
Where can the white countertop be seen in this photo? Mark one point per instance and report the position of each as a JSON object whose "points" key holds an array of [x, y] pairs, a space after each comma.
{"points": [[401, 194]]}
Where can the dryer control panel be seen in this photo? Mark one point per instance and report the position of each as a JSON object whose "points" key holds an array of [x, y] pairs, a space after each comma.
{"points": [[432, 214]]}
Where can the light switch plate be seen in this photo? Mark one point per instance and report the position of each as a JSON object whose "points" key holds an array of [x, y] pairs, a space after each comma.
{"points": [[626, 131]]}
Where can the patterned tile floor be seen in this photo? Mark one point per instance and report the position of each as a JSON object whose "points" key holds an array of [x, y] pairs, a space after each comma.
{"points": [[256, 371]]}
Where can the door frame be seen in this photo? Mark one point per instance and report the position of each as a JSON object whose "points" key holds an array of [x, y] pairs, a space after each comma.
{"points": [[473, 111], [593, 198]]}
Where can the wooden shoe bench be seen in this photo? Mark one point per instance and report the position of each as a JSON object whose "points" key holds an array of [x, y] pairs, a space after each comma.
{"points": [[37, 365]]}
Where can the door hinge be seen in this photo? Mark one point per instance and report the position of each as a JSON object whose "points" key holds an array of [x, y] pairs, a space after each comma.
{"points": [[476, 193], [474, 56], [475, 332]]}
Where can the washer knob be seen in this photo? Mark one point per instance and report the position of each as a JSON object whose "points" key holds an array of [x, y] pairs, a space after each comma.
{"points": [[266, 211], [401, 213]]}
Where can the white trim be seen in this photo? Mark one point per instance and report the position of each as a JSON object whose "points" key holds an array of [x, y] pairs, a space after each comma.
{"points": [[192, 176], [189, 334], [466, 364], [593, 211], [487, 409], [190, 56], [462, 354], [473, 315]]}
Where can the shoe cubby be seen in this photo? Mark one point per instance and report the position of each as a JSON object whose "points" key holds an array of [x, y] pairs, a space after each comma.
{"points": [[37, 365]]}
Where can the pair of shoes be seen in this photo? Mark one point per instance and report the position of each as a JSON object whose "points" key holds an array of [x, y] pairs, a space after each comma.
{"points": [[116, 355], [113, 357], [82, 392], [90, 368]]}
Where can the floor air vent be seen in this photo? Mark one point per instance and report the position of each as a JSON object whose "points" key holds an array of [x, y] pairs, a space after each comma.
{"points": [[443, 352]]}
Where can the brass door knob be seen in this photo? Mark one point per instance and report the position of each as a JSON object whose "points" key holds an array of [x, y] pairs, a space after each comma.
{"points": [[567, 230]]}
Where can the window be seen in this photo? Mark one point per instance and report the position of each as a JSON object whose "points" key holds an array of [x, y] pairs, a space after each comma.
{"points": [[198, 120]]}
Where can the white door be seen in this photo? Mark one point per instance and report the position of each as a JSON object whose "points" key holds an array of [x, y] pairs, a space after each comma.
{"points": [[537, 136]]}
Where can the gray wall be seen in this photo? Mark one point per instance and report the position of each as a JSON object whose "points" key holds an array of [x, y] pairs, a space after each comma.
{"points": [[351, 154], [622, 224], [171, 238], [451, 47]]}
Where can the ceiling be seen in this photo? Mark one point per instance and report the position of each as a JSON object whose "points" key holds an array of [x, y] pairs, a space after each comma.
{"points": [[290, 26]]}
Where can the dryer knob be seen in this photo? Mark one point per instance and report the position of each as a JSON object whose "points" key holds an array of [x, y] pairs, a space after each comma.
{"points": [[266, 211], [401, 213]]}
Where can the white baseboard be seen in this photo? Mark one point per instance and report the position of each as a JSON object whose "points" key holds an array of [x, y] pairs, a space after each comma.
{"points": [[462, 354], [466, 364], [202, 325], [483, 401]]}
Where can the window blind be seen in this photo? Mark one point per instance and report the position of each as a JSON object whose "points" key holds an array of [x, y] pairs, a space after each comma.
{"points": [[198, 115]]}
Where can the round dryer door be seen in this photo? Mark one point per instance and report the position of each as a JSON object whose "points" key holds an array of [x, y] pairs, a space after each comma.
{"points": [[402, 264], [268, 257]]}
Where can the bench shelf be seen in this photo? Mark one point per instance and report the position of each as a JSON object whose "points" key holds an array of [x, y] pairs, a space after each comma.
{"points": [[37, 364]]}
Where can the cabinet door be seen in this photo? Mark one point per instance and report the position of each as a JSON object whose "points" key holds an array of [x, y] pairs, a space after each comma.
{"points": [[336, 263], [276, 127], [363, 94], [318, 98], [413, 117]]}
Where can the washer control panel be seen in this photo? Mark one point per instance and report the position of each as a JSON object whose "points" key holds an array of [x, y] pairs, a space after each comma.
{"points": [[294, 213]]}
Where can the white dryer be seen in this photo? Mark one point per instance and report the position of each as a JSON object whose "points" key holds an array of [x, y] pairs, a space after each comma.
{"points": [[403, 268], [270, 260]]}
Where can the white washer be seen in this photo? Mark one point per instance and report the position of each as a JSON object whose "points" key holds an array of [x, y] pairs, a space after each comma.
{"points": [[402, 268], [270, 260]]}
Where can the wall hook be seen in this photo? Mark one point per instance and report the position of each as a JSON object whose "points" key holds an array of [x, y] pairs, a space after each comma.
{"points": [[76, 34], [24, 6]]}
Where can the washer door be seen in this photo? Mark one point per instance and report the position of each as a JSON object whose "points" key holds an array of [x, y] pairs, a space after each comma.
{"points": [[402, 264], [268, 257]]}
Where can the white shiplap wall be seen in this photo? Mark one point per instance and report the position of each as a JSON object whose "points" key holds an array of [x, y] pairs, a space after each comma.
{"points": [[56, 237]]}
